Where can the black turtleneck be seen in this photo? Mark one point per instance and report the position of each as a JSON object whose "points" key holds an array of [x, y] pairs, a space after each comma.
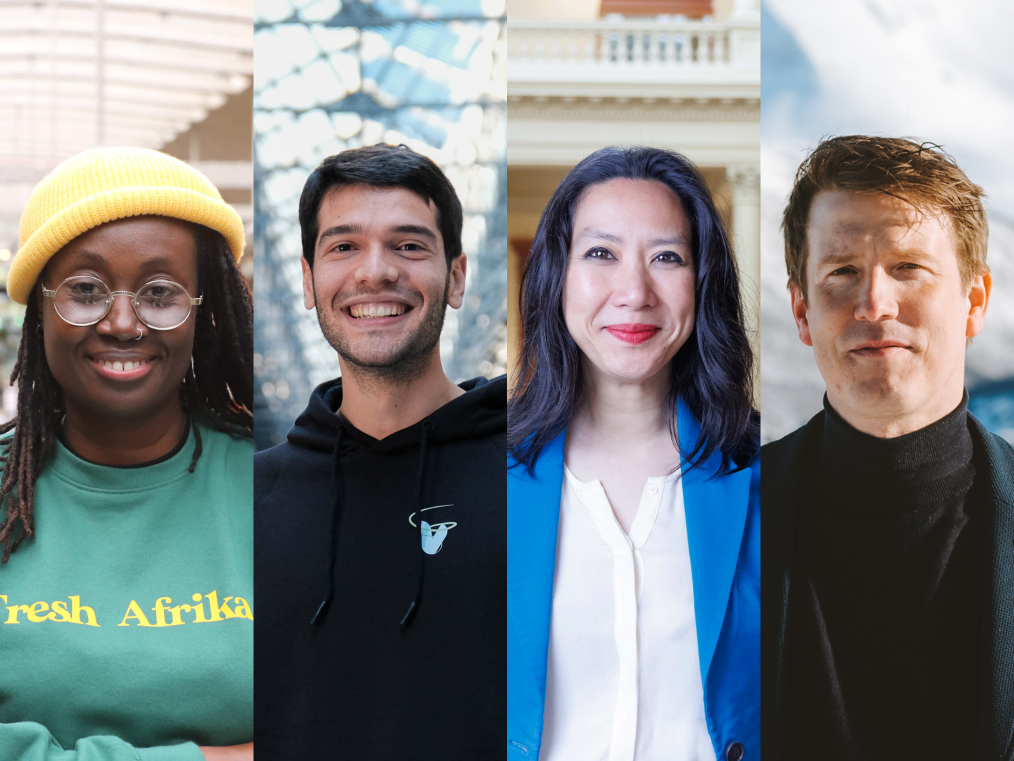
{"points": [[884, 628]]}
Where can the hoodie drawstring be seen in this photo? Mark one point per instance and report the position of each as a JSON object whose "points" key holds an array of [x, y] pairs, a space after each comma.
{"points": [[427, 426], [318, 617]]}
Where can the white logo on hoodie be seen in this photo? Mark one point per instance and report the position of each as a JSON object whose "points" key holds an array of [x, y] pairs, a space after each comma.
{"points": [[433, 535]]}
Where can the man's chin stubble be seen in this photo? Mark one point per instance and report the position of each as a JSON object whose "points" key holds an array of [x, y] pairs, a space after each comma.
{"points": [[405, 364]]}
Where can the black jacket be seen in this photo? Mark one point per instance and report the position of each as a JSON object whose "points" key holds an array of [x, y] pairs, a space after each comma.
{"points": [[407, 537], [785, 467]]}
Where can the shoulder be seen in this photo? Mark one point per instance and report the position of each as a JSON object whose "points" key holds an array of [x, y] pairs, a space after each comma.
{"points": [[234, 447], [547, 468], [997, 455], [788, 451], [270, 464]]}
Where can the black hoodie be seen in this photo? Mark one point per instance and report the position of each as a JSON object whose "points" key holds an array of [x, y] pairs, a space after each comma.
{"points": [[406, 660]]}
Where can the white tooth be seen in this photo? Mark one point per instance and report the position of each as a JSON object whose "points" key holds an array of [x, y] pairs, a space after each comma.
{"points": [[129, 365], [117, 366], [107, 364]]}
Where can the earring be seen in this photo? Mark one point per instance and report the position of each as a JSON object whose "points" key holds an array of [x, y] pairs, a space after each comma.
{"points": [[38, 330]]}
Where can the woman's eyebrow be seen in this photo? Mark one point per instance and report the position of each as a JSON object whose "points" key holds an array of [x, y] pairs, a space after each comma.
{"points": [[675, 240], [154, 262], [93, 256], [591, 232]]}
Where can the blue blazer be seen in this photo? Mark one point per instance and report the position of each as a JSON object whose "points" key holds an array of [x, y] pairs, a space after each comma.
{"points": [[723, 529]]}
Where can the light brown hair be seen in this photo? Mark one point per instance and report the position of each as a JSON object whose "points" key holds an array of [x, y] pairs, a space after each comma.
{"points": [[920, 174]]}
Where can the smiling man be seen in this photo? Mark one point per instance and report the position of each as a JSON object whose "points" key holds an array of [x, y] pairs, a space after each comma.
{"points": [[888, 565], [381, 521]]}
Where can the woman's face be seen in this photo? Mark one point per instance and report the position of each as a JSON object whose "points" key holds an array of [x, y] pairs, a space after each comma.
{"points": [[125, 255], [628, 295]]}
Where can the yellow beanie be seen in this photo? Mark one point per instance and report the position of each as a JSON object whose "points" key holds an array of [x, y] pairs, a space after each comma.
{"points": [[106, 184]]}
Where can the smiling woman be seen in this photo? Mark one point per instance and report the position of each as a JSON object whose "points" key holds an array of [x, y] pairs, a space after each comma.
{"points": [[127, 473], [633, 546]]}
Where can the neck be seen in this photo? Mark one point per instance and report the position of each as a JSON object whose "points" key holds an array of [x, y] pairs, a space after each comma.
{"points": [[888, 421], [110, 441], [622, 410], [379, 406]]}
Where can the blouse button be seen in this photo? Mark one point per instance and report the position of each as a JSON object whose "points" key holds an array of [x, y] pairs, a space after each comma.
{"points": [[735, 752], [653, 490]]}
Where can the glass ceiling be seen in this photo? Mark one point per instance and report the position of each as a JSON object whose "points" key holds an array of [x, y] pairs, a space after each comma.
{"points": [[333, 75], [76, 74]]}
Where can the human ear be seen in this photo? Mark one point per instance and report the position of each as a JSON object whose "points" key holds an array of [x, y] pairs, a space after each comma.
{"points": [[799, 309], [308, 300], [456, 289], [978, 297]]}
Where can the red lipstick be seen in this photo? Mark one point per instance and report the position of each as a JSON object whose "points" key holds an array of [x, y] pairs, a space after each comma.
{"points": [[634, 334]]}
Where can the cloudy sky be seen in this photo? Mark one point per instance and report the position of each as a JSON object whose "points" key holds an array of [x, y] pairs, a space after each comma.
{"points": [[926, 69]]}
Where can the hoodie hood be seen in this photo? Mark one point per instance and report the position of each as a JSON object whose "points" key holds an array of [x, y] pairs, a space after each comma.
{"points": [[480, 411]]}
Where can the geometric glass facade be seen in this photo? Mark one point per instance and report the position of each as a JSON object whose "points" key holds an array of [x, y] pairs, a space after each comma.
{"points": [[333, 75]]}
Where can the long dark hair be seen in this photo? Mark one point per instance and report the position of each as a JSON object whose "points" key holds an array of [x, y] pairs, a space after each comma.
{"points": [[712, 371], [217, 389]]}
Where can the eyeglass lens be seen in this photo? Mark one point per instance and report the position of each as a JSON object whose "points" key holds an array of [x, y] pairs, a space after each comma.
{"points": [[161, 304]]}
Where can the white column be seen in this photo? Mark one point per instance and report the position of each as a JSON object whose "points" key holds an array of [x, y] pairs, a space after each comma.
{"points": [[744, 34], [744, 181], [746, 9]]}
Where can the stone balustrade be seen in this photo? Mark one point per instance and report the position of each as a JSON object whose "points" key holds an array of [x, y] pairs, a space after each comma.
{"points": [[652, 45]]}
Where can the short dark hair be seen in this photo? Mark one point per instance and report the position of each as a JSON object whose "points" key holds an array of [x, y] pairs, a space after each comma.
{"points": [[381, 166], [921, 174], [712, 371]]}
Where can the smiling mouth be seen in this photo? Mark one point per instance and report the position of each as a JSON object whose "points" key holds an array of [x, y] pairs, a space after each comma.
{"points": [[634, 334], [373, 311], [120, 367], [122, 370]]}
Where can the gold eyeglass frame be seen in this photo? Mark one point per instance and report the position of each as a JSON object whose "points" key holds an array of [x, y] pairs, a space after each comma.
{"points": [[51, 294]]}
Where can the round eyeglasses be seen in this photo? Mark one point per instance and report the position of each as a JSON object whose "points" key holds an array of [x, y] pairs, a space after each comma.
{"points": [[84, 300]]}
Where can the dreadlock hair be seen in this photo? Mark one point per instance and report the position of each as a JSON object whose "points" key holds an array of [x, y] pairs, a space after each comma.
{"points": [[217, 389]]}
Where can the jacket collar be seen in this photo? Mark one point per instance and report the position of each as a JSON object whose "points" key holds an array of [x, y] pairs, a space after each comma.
{"points": [[716, 510], [996, 699], [533, 517]]}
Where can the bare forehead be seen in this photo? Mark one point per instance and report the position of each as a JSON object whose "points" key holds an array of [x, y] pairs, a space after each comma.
{"points": [[368, 203], [842, 220], [624, 207]]}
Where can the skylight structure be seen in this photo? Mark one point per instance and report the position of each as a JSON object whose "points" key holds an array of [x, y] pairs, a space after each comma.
{"points": [[333, 75]]}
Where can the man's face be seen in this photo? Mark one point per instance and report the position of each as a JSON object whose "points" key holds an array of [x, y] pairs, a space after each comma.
{"points": [[887, 315], [380, 281]]}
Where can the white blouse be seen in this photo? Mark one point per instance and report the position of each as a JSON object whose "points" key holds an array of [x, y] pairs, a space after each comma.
{"points": [[624, 677]]}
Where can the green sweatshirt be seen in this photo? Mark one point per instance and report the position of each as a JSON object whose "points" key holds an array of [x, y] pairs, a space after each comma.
{"points": [[126, 624]]}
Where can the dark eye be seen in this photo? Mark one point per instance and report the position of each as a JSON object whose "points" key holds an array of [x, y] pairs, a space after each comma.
{"points": [[669, 257], [85, 291], [411, 247], [599, 253], [843, 271]]}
